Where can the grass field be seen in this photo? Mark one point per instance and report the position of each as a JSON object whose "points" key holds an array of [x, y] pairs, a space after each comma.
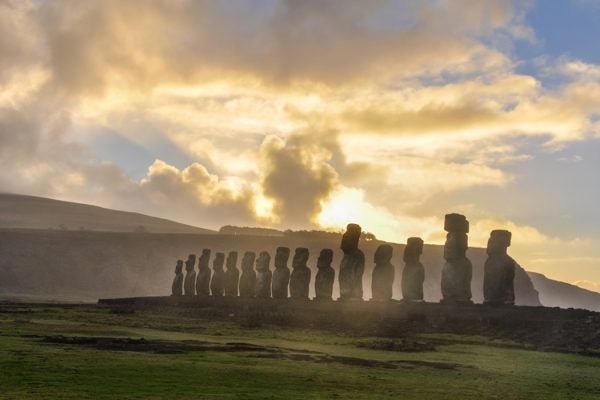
{"points": [[86, 352]]}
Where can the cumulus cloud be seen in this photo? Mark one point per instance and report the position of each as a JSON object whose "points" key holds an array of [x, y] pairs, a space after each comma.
{"points": [[297, 176]]}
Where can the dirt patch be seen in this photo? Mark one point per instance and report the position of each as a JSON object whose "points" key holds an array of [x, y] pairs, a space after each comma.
{"points": [[408, 344], [154, 346], [431, 364]]}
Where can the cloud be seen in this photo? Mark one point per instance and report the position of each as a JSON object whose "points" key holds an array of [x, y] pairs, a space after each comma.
{"points": [[297, 176], [96, 45], [589, 285]]}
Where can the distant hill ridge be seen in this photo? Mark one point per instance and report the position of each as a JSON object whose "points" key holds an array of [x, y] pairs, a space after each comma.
{"points": [[31, 212]]}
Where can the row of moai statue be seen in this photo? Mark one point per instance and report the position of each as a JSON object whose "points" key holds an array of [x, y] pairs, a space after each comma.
{"points": [[257, 280]]}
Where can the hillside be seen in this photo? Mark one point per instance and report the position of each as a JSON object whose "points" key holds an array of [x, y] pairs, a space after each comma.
{"points": [[40, 261], [560, 294], [71, 265], [29, 212]]}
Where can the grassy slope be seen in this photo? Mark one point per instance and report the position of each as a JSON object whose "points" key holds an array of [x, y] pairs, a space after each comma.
{"points": [[30, 212], [468, 368]]}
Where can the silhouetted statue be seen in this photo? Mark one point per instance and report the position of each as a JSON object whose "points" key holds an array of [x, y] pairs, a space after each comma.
{"points": [[352, 265], [204, 273], [217, 283], [457, 271], [248, 277], [263, 276], [177, 287], [300, 277], [325, 275], [383, 273], [281, 275], [413, 274], [499, 270], [189, 284], [232, 274]]}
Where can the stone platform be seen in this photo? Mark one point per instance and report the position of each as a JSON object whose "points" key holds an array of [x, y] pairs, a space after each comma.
{"points": [[539, 327]]}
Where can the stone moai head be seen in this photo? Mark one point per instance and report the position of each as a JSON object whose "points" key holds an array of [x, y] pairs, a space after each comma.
{"points": [[350, 238], [456, 223], [281, 257], [413, 249], [218, 261], [499, 242], [191, 261], [179, 267], [263, 261], [248, 261], [300, 257], [457, 240], [383, 254], [204, 259], [325, 258], [231, 260]]}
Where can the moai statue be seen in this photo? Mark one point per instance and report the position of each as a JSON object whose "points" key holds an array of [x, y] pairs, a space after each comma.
{"points": [[281, 274], [232, 274], [217, 283], [204, 273], [263, 276], [413, 274], [352, 265], [383, 274], [189, 283], [457, 271], [499, 270], [248, 277], [325, 275], [177, 287], [300, 277]]}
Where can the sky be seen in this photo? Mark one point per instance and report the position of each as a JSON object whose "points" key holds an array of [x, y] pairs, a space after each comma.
{"points": [[313, 114]]}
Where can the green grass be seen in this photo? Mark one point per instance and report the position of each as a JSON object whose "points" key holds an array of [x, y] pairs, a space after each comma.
{"points": [[459, 368]]}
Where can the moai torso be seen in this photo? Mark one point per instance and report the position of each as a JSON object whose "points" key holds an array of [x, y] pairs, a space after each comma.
{"points": [[325, 276], [281, 274], [232, 274], [189, 283], [457, 271], [383, 273], [499, 270], [300, 277], [248, 277], [263, 276], [352, 266], [413, 274], [217, 283], [204, 274], [177, 287]]}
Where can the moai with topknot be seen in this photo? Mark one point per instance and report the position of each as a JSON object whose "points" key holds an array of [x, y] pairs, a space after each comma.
{"points": [[281, 274], [499, 270], [457, 271], [189, 283], [382, 281], [248, 277], [177, 286], [352, 266], [232, 274], [325, 276], [300, 277], [217, 283], [263, 276], [204, 274], [413, 274]]}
